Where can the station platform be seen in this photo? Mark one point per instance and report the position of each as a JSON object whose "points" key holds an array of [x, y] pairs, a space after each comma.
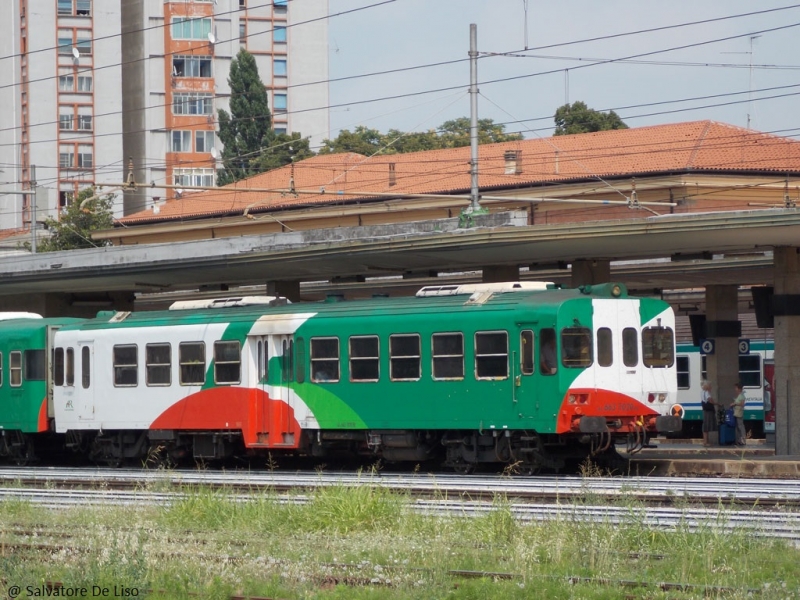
{"points": [[689, 458]]}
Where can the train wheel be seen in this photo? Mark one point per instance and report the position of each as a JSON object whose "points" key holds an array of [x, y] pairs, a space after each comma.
{"points": [[23, 454], [464, 468]]}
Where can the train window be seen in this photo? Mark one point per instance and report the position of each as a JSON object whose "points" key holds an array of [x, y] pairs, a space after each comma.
{"points": [[263, 361], [325, 359], [750, 370], [35, 365], [526, 351], [404, 357], [576, 347], [548, 364], [448, 355], [682, 369], [630, 347], [605, 349], [364, 358], [158, 364], [491, 355], [126, 365], [300, 363], [658, 347], [192, 360], [86, 367], [58, 366], [227, 362], [70, 367], [15, 368]]}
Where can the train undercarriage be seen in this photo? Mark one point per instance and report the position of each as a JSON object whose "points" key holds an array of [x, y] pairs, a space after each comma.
{"points": [[464, 451]]}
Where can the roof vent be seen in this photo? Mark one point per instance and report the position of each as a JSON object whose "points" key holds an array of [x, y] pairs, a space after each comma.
{"points": [[513, 162], [230, 302]]}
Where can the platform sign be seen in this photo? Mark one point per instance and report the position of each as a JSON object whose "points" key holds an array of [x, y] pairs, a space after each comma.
{"points": [[707, 346], [744, 346]]}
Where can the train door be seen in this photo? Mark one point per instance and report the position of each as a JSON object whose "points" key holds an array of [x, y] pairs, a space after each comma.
{"points": [[50, 344], [769, 400], [87, 374], [617, 336], [275, 374]]}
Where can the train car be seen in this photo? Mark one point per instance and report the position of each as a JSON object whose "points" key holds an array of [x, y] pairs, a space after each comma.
{"points": [[755, 369], [26, 400], [457, 374]]}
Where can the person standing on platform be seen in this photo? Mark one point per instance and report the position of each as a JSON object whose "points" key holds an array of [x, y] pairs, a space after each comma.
{"points": [[738, 412], [709, 411]]}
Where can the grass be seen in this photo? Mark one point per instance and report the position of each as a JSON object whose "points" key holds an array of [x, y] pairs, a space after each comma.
{"points": [[364, 543]]}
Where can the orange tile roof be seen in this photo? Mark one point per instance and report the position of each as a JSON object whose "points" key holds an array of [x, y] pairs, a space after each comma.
{"points": [[700, 146]]}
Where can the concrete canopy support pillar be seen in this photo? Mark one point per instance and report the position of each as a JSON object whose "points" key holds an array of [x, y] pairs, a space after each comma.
{"points": [[723, 326], [288, 289], [589, 272], [787, 351], [498, 273]]}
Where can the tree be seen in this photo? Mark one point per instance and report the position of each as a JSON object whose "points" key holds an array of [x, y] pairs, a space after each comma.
{"points": [[248, 127], [579, 118], [451, 134], [285, 148], [81, 217]]}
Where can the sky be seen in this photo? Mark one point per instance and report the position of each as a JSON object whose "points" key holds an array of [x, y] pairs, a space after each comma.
{"points": [[408, 34]]}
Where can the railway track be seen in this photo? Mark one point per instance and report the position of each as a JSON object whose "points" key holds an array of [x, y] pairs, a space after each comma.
{"points": [[646, 490]]}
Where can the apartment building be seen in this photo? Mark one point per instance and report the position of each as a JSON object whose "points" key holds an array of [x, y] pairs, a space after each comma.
{"points": [[96, 83]]}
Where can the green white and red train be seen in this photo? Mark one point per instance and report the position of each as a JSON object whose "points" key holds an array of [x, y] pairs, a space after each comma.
{"points": [[456, 375]]}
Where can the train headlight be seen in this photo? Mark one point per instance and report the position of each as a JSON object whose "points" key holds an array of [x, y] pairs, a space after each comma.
{"points": [[616, 291], [662, 397], [572, 398]]}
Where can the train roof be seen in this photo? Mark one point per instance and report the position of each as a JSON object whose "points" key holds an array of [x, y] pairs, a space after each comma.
{"points": [[468, 300]]}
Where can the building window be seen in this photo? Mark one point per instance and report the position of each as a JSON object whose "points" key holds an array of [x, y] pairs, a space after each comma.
{"points": [[242, 3], [65, 7], [448, 355], [64, 45], [280, 103], [192, 358], [84, 45], [242, 32], [194, 177], [279, 6], [279, 35], [85, 159], [85, 122], [83, 8], [66, 157], [404, 357], [181, 141], [279, 68], [191, 66], [84, 83], [364, 358], [126, 366], [227, 362], [491, 355], [281, 130], [192, 104], [158, 361], [65, 121], [184, 28], [204, 141], [325, 359], [66, 83]]}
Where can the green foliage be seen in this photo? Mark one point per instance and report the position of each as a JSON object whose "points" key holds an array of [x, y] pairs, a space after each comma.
{"points": [[247, 130], [579, 118], [74, 228], [284, 149], [451, 134]]}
